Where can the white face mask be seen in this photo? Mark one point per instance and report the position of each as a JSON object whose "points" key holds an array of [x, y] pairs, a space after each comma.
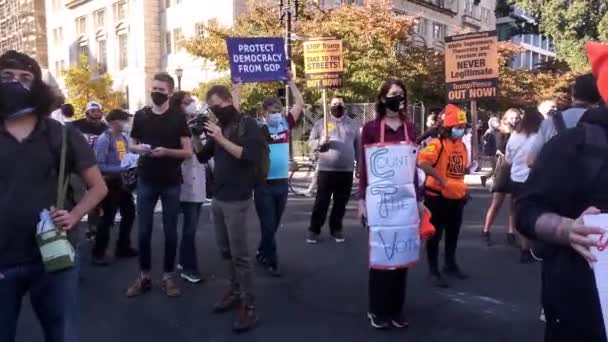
{"points": [[190, 109], [274, 119]]}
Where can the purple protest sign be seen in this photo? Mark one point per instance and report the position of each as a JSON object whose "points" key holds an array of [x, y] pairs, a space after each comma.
{"points": [[257, 59]]}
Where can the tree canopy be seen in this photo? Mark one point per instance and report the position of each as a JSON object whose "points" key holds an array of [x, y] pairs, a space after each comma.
{"points": [[84, 85], [569, 24]]}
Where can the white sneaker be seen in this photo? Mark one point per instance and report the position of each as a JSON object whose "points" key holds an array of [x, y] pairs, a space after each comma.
{"points": [[542, 316]]}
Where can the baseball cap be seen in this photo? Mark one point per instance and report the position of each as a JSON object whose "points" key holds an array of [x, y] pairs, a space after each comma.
{"points": [[93, 105], [454, 116]]}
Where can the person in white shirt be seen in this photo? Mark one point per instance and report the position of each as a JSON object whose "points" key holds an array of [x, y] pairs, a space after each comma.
{"points": [[518, 149], [64, 114]]}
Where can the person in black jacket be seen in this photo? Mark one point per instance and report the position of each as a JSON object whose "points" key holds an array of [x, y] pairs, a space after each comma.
{"points": [[561, 189]]}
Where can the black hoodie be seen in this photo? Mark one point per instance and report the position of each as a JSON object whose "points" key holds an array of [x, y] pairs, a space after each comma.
{"points": [[559, 183]]}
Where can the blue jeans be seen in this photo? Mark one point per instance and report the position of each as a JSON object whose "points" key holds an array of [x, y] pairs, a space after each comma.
{"points": [[147, 197], [270, 200], [54, 298], [187, 246]]}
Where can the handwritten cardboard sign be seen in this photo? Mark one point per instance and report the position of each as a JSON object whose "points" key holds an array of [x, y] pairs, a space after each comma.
{"points": [[393, 247], [394, 163], [471, 66], [259, 59], [323, 62]]}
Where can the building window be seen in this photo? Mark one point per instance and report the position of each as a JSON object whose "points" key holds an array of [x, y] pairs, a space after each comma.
{"points": [[420, 26], [123, 57], [56, 5], [167, 3], [120, 10], [438, 31], [199, 30], [178, 37], [168, 49], [177, 2], [102, 56], [57, 37], [99, 19], [83, 50], [81, 26]]}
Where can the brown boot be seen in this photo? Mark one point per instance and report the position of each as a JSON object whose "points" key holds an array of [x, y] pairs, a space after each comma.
{"points": [[246, 320], [229, 301], [170, 286], [141, 286]]}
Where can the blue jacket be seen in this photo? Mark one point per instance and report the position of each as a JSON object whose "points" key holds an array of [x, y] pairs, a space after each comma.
{"points": [[107, 154]]}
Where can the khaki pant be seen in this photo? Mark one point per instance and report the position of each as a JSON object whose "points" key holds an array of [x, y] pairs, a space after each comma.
{"points": [[230, 221]]}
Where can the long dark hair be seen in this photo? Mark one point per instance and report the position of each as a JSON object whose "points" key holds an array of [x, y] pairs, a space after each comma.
{"points": [[383, 91], [175, 102], [530, 122]]}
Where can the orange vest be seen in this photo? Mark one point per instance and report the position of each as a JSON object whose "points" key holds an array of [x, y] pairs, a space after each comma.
{"points": [[450, 159]]}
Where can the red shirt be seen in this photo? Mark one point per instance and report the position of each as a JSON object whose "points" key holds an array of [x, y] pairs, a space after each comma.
{"points": [[371, 135]]}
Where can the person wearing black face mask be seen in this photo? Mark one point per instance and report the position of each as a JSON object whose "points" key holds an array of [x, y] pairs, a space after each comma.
{"points": [[30, 155], [162, 138], [237, 145], [338, 148]]}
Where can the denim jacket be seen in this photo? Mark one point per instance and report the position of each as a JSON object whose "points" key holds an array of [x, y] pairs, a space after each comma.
{"points": [[107, 155]]}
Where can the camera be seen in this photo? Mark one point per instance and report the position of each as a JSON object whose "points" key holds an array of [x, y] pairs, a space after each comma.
{"points": [[197, 125]]}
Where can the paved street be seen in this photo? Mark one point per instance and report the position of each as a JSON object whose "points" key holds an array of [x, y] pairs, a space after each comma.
{"points": [[322, 296]]}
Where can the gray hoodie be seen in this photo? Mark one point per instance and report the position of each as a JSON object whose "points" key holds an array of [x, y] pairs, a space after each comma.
{"points": [[344, 134]]}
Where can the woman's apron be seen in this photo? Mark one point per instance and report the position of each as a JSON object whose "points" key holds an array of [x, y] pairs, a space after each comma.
{"points": [[392, 208]]}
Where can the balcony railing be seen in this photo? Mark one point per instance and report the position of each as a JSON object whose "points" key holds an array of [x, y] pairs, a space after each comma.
{"points": [[449, 7]]}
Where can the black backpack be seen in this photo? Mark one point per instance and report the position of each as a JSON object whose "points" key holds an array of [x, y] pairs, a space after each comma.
{"points": [[262, 166]]}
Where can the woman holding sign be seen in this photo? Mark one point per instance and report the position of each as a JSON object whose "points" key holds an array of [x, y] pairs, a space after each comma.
{"points": [[446, 162], [388, 204]]}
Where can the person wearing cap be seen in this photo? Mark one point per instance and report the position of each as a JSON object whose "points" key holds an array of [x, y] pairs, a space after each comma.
{"points": [[565, 189], [445, 160], [91, 127], [110, 150], [30, 158]]}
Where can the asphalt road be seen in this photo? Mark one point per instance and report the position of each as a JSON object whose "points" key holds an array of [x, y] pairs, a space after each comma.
{"points": [[322, 296]]}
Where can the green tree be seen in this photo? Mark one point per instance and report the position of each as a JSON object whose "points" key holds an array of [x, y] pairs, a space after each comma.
{"points": [[376, 46], [570, 24], [85, 84]]}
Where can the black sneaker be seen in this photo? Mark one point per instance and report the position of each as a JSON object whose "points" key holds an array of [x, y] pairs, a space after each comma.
{"points": [[511, 240], [191, 276], [100, 261], [486, 238], [246, 320], [526, 257], [126, 253], [338, 236], [455, 272], [400, 322], [274, 271], [438, 280], [261, 259], [377, 322], [312, 238]]}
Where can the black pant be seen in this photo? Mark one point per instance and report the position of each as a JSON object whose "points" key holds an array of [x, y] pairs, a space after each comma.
{"points": [[117, 199], [446, 215], [331, 183], [387, 292]]}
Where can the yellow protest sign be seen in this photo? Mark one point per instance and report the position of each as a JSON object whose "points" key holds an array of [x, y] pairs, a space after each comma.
{"points": [[323, 62], [471, 66]]}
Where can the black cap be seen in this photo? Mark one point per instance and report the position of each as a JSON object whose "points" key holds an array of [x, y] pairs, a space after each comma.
{"points": [[118, 115], [16, 60], [585, 89]]}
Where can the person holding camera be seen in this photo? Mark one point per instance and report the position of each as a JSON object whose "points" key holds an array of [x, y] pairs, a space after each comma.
{"points": [[161, 136], [237, 145], [192, 196]]}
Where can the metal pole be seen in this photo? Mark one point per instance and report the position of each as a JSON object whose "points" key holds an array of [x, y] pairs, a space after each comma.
{"points": [[287, 10], [475, 138], [324, 99]]}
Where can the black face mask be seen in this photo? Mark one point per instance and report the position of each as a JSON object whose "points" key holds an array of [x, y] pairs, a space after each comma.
{"points": [[15, 100], [394, 102], [337, 111], [159, 98], [224, 114]]}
